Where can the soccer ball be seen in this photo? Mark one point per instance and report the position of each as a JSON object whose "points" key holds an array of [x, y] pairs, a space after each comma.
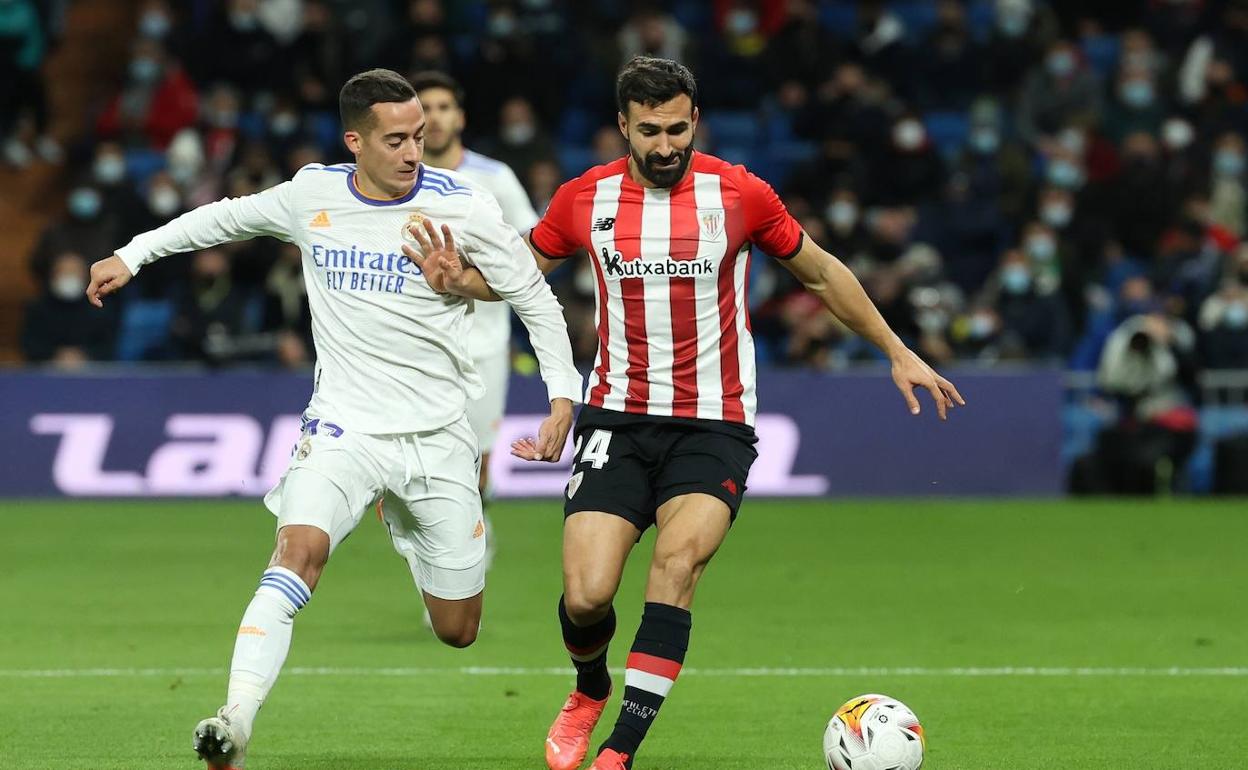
{"points": [[874, 732]]}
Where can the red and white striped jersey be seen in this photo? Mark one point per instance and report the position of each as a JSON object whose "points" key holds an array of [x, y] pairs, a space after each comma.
{"points": [[671, 291]]}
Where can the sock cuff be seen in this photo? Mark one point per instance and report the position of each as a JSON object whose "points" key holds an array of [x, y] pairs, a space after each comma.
{"points": [[667, 613], [288, 584], [585, 640]]}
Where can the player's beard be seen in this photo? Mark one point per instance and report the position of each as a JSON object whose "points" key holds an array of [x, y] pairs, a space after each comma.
{"points": [[662, 177]]}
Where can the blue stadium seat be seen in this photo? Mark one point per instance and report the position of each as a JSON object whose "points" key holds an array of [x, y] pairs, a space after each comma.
{"points": [[980, 17], [574, 160], [734, 128], [144, 329], [326, 131], [694, 15], [918, 16], [1102, 53], [142, 163], [576, 126], [839, 18], [252, 125], [948, 131]]}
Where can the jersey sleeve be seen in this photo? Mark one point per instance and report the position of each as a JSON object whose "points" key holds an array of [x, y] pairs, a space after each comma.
{"points": [[496, 249], [768, 223], [514, 202], [554, 236], [230, 219]]}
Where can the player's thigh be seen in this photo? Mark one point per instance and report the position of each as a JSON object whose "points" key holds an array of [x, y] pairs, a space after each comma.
{"points": [[596, 546], [485, 414], [704, 462], [332, 479], [433, 512]]}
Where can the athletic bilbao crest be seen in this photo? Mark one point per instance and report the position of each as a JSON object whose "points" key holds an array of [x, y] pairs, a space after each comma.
{"points": [[712, 221], [574, 483]]}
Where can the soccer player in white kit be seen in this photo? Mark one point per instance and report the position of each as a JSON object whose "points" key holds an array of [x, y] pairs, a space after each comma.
{"points": [[489, 343], [386, 423]]}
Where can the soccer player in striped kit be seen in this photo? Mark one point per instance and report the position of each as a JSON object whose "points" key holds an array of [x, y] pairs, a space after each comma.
{"points": [[666, 435]]}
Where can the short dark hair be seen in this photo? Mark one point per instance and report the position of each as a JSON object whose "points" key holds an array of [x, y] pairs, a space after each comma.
{"points": [[362, 91], [651, 81], [423, 81]]}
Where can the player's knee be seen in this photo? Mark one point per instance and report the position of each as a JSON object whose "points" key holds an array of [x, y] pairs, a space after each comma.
{"points": [[677, 568], [459, 636], [303, 552], [587, 602]]}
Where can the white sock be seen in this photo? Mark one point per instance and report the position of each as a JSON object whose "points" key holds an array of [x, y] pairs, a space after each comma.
{"points": [[262, 644]]}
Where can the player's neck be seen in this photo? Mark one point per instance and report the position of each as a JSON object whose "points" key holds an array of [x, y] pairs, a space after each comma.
{"points": [[369, 189], [450, 158]]}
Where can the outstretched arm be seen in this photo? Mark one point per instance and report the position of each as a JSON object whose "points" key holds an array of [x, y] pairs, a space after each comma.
{"points": [[446, 273], [828, 278], [231, 219]]}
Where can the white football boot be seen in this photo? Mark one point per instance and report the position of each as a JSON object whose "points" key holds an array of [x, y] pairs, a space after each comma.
{"points": [[220, 743]]}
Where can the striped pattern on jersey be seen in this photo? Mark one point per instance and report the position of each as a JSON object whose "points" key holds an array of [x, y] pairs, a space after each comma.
{"points": [[670, 268]]}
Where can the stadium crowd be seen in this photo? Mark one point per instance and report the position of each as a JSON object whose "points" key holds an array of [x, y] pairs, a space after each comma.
{"points": [[1011, 180]]}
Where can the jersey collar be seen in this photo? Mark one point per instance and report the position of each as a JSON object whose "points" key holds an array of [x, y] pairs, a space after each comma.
{"points": [[362, 198]]}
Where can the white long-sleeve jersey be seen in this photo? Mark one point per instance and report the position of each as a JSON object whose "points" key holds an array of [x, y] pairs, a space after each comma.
{"points": [[491, 321], [391, 353]]}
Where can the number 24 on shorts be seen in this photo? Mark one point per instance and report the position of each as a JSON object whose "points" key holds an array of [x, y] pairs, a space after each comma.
{"points": [[595, 449]]}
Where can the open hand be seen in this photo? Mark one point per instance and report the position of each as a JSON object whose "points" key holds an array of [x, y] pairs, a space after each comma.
{"points": [[910, 372], [107, 276], [437, 258], [551, 436]]}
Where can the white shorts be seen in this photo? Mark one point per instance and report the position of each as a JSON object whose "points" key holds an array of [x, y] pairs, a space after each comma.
{"points": [[486, 413], [424, 486]]}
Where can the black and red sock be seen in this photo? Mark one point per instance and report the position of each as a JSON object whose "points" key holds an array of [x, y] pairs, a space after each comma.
{"points": [[587, 646], [653, 665]]}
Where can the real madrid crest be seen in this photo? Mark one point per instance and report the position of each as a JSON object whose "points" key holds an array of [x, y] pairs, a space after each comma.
{"points": [[305, 449], [415, 219]]}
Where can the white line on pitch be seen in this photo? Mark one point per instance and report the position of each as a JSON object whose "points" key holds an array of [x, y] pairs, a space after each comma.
{"points": [[969, 671]]}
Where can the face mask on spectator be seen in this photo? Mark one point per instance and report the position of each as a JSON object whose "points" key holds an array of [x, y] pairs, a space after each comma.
{"points": [[1016, 279], [84, 203], [1236, 316], [985, 141], [109, 169], [1012, 23], [1060, 63], [1064, 174], [68, 288], [144, 69], [1228, 163], [1177, 134], [502, 25], [244, 21], [284, 124], [1056, 214], [155, 25], [741, 22], [1137, 93], [1040, 247], [518, 133], [982, 326], [164, 201], [843, 215], [909, 134]]}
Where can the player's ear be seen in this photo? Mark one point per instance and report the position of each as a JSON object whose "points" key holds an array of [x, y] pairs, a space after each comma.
{"points": [[353, 141], [694, 122], [623, 121]]}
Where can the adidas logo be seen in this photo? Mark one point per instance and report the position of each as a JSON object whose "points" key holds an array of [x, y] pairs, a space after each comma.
{"points": [[730, 485], [320, 220], [479, 531]]}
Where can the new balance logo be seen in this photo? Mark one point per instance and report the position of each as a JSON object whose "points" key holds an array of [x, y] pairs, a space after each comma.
{"points": [[731, 486], [320, 220], [602, 224]]}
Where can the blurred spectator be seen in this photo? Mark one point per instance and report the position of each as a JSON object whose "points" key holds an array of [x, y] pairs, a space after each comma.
{"points": [[318, 59], [1033, 324], [801, 53], [286, 309], [86, 229], [60, 326], [210, 312], [543, 180], [521, 141], [1137, 105], [1224, 327], [1022, 31], [23, 97], [847, 234], [910, 171], [118, 198], [1227, 198], [1054, 93], [998, 167], [156, 102], [1142, 203], [881, 44], [950, 76], [239, 50], [652, 32]]}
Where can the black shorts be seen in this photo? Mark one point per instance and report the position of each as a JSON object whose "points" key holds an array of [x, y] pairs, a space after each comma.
{"points": [[630, 464]]}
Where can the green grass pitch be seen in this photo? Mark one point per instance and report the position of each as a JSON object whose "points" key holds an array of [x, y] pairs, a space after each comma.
{"points": [[117, 622]]}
